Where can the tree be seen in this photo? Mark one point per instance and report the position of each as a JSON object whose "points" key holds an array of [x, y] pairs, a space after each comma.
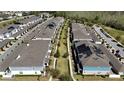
{"points": [[64, 42], [65, 55], [57, 54], [76, 18], [16, 21], [83, 20], [62, 14], [58, 44], [55, 73], [65, 77], [89, 23], [118, 37], [24, 14], [47, 69], [36, 13], [96, 18], [4, 24]]}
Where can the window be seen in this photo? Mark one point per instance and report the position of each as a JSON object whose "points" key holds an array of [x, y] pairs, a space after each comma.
{"points": [[20, 72], [35, 72]]}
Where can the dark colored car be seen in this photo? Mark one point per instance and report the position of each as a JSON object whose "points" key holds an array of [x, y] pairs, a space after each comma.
{"points": [[11, 28]]}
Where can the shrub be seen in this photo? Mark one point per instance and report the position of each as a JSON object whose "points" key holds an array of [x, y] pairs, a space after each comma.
{"points": [[47, 69], [55, 73], [115, 24], [64, 42], [58, 44], [50, 60], [89, 23], [103, 76], [4, 24], [14, 21], [118, 38], [65, 77], [65, 55], [57, 54]]}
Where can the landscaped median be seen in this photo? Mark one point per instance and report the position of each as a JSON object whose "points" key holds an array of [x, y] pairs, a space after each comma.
{"points": [[62, 63]]}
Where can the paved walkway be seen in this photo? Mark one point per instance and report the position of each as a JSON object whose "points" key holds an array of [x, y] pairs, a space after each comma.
{"points": [[56, 47], [50, 79]]}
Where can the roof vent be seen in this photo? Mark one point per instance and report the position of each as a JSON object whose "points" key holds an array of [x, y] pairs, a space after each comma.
{"points": [[27, 44], [18, 57]]}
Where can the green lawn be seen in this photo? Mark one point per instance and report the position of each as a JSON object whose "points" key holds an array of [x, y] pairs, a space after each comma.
{"points": [[30, 78], [5, 23], [95, 78], [27, 78], [62, 63], [117, 34], [51, 61], [62, 48]]}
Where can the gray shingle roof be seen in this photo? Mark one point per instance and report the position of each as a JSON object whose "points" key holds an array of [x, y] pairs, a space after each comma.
{"points": [[45, 31], [96, 60], [79, 32], [6, 63], [32, 55], [29, 19], [93, 35], [90, 55]]}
